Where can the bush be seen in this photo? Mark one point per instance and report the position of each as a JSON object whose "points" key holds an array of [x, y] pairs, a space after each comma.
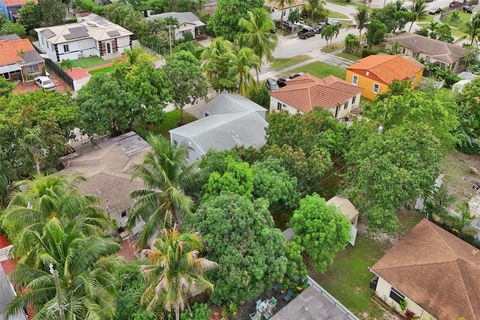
{"points": [[368, 52], [260, 95], [440, 72], [200, 311], [352, 44]]}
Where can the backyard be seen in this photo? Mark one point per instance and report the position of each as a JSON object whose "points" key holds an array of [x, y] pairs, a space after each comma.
{"points": [[321, 70], [89, 62], [171, 121], [348, 278]]}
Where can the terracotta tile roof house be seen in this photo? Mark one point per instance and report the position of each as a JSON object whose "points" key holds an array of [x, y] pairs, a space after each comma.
{"points": [[435, 272], [375, 73], [304, 93], [431, 50], [18, 59]]}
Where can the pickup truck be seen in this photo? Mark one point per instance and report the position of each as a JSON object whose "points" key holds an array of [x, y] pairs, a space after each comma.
{"points": [[306, 33]]}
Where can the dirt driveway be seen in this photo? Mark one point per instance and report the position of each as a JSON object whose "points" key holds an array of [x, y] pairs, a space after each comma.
{"points": [[31, 86]]}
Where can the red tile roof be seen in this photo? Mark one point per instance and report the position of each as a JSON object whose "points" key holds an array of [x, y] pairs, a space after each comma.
{"points": [[77, 73], [13, 3], [11, 50], [307, 92], [387, 68], [437, 270]]}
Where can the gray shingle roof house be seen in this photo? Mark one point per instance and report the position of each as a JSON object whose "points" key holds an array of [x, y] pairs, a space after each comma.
{"points": [[430, 49], [187, 22], [230, 120]]}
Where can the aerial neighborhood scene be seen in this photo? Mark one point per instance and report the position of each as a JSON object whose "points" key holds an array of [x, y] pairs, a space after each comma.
{"points": [[239, 159]]}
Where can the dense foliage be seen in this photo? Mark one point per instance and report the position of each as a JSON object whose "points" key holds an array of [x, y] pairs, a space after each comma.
{"points": [[468, 131]]}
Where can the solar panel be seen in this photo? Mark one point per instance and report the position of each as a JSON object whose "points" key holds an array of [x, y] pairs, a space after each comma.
{"points": [[77, 32], [47, 33], [113, 33]]}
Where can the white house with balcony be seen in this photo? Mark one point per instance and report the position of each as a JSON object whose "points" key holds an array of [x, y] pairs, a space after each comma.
{"points": [[92, 35]]}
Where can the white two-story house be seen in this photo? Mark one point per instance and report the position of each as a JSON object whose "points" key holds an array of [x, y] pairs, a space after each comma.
{"points": [[92, 35]]}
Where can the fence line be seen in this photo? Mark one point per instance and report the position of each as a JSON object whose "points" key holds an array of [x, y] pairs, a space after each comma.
{"points": [[59, 72]]}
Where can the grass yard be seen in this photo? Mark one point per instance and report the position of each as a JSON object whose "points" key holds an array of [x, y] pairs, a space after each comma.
{"points": [[171, 121], [348, 278], [426, 18], [321, 70], [333, 47], [89, 62], [348, 3], [348, 56], [283, 63], [337, 15], [102, 70], [457, 33], [464, 17]]}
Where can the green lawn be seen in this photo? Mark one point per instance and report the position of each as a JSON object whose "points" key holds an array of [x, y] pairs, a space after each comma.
{"points": [[337, 15], [333, 47], [464, 17], [320, 69], [348, 3], [348, 278], [102, 70], [282, 63], [89, 62], [426, 18], [348, 56], [171, 121]]}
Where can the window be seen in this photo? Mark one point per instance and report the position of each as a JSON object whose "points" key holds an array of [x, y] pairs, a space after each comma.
{"points": [[175, 143], [354, 99], [279, 106], [376, 88], [43, 41], [66, 48], [33, 69], [404, 50], [396, 296], [355, 80], [345, 106]]}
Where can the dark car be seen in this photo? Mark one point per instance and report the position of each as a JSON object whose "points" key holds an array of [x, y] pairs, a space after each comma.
{"points": [[272, 84], [295, 75], [455, 4], [428, 0], [434, 10], [282, 82], [306, 33], [468, 9], [319, 27]]}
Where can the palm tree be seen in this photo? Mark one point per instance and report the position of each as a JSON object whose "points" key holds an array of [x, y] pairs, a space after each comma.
{"points": [[175, 271], [418, 10], [463, 221], [329, 32], [438, 201], [258, 35], [472, 29], [34, 145], [244, 61], [361, 18], [433, 26], [51, 197], [84, 267], [163, 202], [135, 55], [216, 62], [282, 4], [66, 64]]}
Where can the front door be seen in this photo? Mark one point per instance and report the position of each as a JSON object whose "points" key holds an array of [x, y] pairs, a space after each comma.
{"points": [[109, 48]]}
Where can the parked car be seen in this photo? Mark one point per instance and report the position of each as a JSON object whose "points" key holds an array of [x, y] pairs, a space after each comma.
{"points": [[434, 10], [282, 82], [295, 75], [468, 9], [306, 33], [428, 0], [455, 4], [44, 83], [317, 28], [272, 84], [334, 22]]}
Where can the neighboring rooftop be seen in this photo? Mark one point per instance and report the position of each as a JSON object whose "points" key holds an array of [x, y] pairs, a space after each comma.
{"points": [[308, 92], [387, 68], [15, 50], [437, 270], [182, 17], [438, 50], [89, 26], [225, 128], [15, 3]]}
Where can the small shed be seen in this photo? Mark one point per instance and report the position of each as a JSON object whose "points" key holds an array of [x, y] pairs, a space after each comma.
{"points": [[348, 209]]}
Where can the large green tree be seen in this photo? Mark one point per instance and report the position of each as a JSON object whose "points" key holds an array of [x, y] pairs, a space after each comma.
{"points": [[389, 170], [51, 12], [240, 237], [468, 131], [225, 20], [217, 62], [175, 271], [321, 229], [29, 16], [84, 264], [162, 202]]}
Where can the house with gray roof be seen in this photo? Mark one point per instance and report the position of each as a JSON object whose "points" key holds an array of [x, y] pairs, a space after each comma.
{"points": [[187, 23], [230, 120], [18, 59], [431, 50]]}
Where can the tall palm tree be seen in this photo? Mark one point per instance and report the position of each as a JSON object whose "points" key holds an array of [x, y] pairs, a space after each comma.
{"points": [[472, 29], [175, 271], [84, 267], [361, 18], [282, 4], [216, 62], [135, 55], [163, 202], [418, 11], [258, 35], [51, 197], [329, 32], [34, 145], [244, 61]]}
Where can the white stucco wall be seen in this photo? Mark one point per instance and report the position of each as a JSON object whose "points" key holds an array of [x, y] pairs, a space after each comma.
{"points": [[383, 292], [276, 14], [292, 110], [78, 84]]}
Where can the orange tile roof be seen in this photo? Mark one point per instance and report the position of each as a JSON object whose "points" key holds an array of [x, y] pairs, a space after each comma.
{"points": [[437, 270], [387, 68], [10, 50], [13, 3], [307, 92]]}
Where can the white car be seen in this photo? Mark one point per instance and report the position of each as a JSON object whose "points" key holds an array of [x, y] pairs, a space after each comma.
{"points": [[44, 83]]}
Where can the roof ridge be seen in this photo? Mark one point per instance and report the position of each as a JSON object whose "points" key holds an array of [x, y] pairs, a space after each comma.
{"points": [[470, 304], [443, 240], [417, 265]]}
